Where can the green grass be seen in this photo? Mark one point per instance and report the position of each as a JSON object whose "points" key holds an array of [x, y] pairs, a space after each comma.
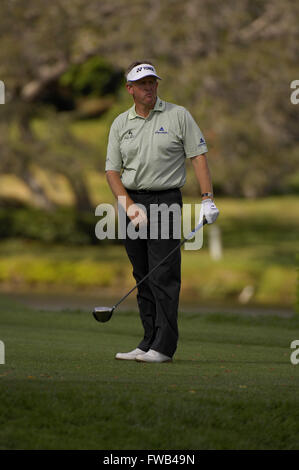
{"points": [[231, 385]]}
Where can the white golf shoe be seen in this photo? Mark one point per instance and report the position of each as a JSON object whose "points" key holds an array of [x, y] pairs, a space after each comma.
{"points": [[153, 356], [130, 356]]}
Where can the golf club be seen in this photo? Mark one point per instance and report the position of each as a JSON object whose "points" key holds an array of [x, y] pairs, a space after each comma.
{"points": [[103, 314]]}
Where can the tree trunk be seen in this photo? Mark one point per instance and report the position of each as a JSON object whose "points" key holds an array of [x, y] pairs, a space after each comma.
{"points": [[82, 198], [39, 195]]}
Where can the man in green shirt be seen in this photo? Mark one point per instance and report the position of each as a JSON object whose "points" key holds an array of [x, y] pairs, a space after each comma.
{"points": [[147, 149]]}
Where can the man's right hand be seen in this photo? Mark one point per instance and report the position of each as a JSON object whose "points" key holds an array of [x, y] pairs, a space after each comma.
{"points": [[136, 214]]}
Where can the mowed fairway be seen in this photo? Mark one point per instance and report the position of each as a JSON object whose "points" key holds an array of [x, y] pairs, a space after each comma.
{"points": [[231, 385]]}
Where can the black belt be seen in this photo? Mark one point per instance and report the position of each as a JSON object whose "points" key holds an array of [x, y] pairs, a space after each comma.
{"points": [[148, 191]]}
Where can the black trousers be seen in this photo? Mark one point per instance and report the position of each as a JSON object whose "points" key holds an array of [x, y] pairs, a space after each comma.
{"points": [[157, 296]]}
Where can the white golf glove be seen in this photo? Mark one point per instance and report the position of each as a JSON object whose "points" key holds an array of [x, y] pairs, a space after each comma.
{"points": [[209, 211]]}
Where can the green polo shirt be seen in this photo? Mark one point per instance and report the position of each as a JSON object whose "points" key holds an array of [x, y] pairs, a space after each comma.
{"points": [[150, 152]]}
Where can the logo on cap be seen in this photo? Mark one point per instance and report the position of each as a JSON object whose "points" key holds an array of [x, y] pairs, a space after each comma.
{"points": [[145, 70], [147, 67]]}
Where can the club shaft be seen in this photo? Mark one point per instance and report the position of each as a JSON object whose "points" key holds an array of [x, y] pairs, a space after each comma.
{"points": [[159, 264]]}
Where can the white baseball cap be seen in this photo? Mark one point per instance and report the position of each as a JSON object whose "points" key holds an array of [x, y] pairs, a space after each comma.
{"points": [[141, 71]]}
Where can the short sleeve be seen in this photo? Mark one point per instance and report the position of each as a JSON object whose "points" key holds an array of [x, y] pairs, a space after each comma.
{"points": [[113, 158], [193, 139]]}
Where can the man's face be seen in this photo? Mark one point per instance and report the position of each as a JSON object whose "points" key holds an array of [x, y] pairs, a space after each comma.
{"points": [[144, 91]]}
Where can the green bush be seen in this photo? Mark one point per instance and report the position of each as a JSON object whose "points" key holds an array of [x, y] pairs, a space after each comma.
{"points": [[61, 225], [95, 77], [27, 270]]}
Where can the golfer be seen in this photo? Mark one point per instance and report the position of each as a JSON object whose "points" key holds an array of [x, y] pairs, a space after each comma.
{"points": [[147, 150]]}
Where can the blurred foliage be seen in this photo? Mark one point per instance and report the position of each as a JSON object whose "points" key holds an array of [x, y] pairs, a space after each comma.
{"points": [[230, 63], [93, 77], [62, 225], [259, 241]]}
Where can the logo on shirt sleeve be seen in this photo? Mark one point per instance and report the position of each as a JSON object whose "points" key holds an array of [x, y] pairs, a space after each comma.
{"points": [[201, 142]]}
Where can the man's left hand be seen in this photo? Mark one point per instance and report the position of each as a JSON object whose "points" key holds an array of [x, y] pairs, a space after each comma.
{"points": [[209, 211]]}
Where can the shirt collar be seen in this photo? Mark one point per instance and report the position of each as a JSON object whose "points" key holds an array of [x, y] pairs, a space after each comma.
{"points": [[159, 106]]}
